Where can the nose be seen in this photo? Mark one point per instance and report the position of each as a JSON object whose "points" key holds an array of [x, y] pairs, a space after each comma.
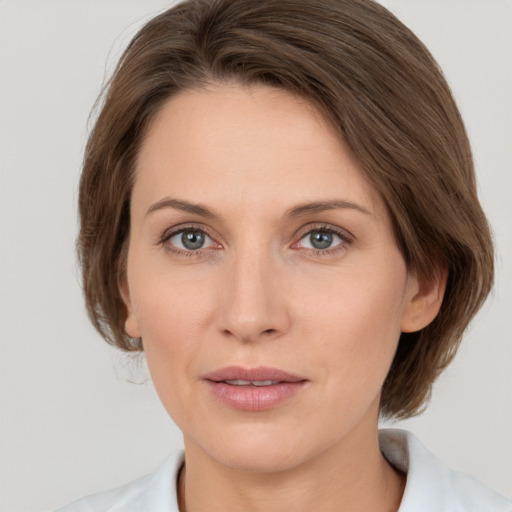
{"points": [[253, 301]]}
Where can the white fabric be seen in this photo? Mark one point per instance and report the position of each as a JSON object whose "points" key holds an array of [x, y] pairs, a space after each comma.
{"points": [[431, 486]]}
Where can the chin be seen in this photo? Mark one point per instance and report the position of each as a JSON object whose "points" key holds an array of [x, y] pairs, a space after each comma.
{"points": [[258, 449]]}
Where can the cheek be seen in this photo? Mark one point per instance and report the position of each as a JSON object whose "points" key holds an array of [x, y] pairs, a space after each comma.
{"points": [[168, 301], [172, 314], [171, 322], [170, 318], [357, 327]]}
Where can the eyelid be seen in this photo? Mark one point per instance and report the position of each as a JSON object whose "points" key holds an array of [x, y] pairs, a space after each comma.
{"points": [[345, 236], [330, 228], [180, 228]]}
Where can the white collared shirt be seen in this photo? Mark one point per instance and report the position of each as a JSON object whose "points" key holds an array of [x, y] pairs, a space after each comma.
{"points": [[430, 487]]}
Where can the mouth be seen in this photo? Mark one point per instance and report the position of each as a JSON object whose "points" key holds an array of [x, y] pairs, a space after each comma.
{"points": [[256, 389], [239, 382]]}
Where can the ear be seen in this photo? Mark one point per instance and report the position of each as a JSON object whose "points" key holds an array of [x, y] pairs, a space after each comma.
{"points": [[131, 327], [423, 300]]}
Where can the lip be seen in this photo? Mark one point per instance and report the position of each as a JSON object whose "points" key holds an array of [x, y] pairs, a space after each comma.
{"points": [[249, 397], [259, 373]]}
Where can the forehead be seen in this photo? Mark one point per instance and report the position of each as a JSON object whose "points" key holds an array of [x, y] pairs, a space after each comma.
{"points": [[248, 144]]}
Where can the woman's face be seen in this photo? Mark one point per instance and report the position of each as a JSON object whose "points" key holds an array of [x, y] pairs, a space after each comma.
{"points": [[263, 277]]}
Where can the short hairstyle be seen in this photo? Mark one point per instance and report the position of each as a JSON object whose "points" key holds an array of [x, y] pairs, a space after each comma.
{"points": [[383, 94]]}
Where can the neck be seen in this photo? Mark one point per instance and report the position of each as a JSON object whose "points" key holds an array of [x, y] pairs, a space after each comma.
{"points": [[350, 476]]}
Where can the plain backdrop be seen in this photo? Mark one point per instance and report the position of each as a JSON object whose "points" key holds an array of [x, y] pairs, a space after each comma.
{"points": [[72, 423]]}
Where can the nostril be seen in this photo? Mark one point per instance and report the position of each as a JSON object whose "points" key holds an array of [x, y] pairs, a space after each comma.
{"points": [[248, 337]]}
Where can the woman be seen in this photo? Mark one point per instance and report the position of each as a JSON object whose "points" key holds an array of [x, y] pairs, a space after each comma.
{"points": [[278, 206]]}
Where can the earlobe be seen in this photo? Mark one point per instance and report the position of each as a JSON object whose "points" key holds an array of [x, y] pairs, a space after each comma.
{"points": [[131, 326], [423, 300]]}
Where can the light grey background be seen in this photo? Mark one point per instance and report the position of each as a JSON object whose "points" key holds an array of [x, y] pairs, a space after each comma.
{"points": [[71, 423]]}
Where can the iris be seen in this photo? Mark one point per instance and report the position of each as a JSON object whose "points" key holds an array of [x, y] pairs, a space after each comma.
{"points": [[192, 240], [320, 239]]}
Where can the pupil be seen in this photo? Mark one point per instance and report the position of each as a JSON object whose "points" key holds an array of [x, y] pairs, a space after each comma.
{"points": [[321, 240], [192, 239]]}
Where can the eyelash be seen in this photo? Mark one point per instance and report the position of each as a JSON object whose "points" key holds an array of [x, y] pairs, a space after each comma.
{"points": [[346, 240], [180, 252]]}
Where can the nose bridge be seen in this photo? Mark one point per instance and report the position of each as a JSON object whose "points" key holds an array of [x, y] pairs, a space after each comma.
{"points": [[251, 303]]}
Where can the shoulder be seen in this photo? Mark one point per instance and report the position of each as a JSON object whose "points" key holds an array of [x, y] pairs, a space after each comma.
{"points": [[430, 484], [155, 492]]}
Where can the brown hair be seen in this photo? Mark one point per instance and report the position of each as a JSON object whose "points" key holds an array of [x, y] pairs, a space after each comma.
{"points": [[378, 86]]}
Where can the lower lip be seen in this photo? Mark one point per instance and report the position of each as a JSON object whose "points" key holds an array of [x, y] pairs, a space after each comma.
{"points": [[255, 398]]}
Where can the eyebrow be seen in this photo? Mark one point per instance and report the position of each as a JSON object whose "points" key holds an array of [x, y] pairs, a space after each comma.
{"points": [[322, 206], [297, 211], [184, 206]]}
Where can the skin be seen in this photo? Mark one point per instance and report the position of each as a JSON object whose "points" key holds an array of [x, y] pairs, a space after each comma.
{"points": [[259, 294]]}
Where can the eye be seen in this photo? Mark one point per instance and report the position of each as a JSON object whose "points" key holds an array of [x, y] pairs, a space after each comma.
{"points": [[190, 239], [322, 239]]}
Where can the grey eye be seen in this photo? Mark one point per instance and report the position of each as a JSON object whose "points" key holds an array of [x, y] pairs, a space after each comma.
{"points": [[190, 239], [320, 239]]}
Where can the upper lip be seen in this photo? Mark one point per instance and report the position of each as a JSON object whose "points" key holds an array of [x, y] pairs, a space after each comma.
{"points": [[260, 373]]}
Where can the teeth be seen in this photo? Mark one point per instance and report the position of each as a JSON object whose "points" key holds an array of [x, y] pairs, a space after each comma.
{"points": [[264, 382], [251, 382], [238, 382]]}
